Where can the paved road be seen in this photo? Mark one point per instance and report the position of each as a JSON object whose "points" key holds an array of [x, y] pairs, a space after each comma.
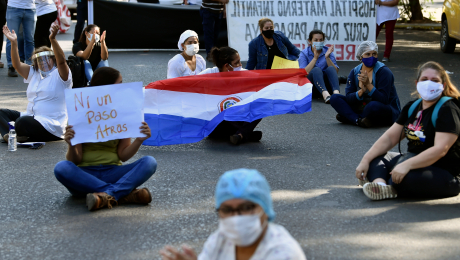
{"points": [[308, 159]]}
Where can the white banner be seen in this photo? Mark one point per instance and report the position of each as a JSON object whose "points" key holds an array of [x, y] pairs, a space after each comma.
{"points": [[346, 23], [104, 113]]}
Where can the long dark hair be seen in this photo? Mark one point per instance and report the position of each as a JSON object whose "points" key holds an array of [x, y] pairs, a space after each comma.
{"points": [[222, 56], [87, 29], [104, 76]]}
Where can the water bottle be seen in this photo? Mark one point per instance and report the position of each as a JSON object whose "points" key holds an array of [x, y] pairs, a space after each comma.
{"points": [[12, 142]]}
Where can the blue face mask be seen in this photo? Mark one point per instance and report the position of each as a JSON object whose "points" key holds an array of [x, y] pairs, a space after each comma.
{"points": [[318, 45], [370, 62]]}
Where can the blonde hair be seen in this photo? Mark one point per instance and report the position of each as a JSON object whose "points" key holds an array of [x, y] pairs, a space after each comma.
{"points": [[449, 89], [263, 21], [38, 50]]}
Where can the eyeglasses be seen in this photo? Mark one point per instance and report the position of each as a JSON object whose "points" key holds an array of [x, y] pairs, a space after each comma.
{"points": [[243, 209]]}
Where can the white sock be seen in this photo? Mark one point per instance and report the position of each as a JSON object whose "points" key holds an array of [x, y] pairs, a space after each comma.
{"points": [[382, 183]]}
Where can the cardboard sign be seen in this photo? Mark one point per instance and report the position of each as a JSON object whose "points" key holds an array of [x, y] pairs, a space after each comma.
{"points": [[280, 63], [104, 113], [345, 23]]}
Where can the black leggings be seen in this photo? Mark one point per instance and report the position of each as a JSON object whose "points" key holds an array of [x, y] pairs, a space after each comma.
{"points": [[42, 29], [425, 182], [227, 128], [25, 126], [2, 22]]}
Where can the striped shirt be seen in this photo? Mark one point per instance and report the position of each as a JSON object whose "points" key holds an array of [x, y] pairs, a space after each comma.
{"points": [[214, 6]]}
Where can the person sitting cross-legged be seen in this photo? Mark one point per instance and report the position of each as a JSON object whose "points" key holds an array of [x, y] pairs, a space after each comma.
{"points": [[370, 95], [95, 170]]}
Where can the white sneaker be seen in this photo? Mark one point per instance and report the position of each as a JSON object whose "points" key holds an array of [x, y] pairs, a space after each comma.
{"points": [[376, 191], [385, 59], [361, 182]]}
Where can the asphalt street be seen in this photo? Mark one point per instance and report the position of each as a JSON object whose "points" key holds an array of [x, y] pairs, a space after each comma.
{"points": [[309, 161]]}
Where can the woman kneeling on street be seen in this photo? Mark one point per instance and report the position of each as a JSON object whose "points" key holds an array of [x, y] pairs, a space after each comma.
{"points": [[245, 211], [370, 96], [431, 125], [46, 116], [95, 170]]}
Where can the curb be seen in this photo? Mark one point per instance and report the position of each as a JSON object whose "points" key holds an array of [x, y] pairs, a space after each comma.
{"points": [[419, 26]]}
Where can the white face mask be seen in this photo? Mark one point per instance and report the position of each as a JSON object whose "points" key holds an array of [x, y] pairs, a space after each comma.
{"points": [[192, 49], [45, 74], [91, 37], [242, 230], [237, 68], [429, 90]]}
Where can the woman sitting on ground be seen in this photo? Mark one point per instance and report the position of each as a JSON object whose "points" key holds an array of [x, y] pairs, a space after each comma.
{"points": [[431, 125], [92, 49], [319, 61], [264, 48], [246, 231], [227, 59], [371, 97], [95, 170], [48, 77], [188, 62]]}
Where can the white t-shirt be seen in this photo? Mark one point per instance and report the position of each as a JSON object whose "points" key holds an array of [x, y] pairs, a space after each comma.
{"points": [[45, 7], [214, 69], [277, 244], [195, 2], [47, 100], [178, 68], [386, 13], [23, 4]]}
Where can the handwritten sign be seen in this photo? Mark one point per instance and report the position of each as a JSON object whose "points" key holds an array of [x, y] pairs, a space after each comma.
{"points": [[280, 63], [345, 23], [104, 113]]}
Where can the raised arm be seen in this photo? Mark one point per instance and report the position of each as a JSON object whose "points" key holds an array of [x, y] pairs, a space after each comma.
{"points": [[22, 68], [104, 51], [59, 54]]}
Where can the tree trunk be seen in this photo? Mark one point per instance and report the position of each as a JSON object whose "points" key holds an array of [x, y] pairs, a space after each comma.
{"points": [[416, 11]]}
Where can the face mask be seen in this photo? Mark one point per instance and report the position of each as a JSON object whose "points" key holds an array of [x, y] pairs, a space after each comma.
{"points": [[318, 45], [370, 62], [91, 37], [429, 90], [242, 230], [192, 49], [237, 68], [268, 33], [45, 74]]}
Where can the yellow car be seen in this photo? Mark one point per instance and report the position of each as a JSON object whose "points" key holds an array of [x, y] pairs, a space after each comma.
{"points": [[450, 31]]}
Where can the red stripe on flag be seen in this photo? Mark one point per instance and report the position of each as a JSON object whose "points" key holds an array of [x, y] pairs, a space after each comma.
{"points": [[227, 83]]}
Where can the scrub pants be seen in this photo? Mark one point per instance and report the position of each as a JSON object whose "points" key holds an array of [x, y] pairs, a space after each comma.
{"points": [[389, 39], [378, 113], [116, 180], [324, 80], [430, 181]]}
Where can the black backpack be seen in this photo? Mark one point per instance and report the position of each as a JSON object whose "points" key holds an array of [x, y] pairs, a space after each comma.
{"points": [[77, 69]]}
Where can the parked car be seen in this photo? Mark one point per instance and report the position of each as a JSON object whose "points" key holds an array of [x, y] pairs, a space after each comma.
{"points": [[450, 31]]}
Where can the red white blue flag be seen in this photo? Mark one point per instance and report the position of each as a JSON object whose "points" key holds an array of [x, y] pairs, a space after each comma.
{"points": [[187, 109]]}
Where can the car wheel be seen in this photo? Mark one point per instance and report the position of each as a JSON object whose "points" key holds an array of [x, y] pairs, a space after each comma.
{"points": [[447, 43]]}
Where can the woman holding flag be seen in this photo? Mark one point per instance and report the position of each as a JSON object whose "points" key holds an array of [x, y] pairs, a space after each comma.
{"points": [[227, 59]]}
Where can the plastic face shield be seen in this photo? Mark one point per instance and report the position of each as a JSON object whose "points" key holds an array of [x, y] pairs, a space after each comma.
{"points": [[44, 60]]}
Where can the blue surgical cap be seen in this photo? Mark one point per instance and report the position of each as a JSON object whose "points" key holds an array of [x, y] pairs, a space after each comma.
{"points": [[245, 184]]}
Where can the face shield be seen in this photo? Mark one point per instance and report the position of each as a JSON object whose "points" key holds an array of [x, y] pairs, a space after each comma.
{"points": [[45, 62]]}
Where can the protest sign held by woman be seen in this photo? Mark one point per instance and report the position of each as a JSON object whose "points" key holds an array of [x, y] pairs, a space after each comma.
{"points": [[94, 170]]}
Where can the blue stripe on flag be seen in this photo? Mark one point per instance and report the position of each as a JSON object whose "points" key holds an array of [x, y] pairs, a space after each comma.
{"points": [[169, 129]]}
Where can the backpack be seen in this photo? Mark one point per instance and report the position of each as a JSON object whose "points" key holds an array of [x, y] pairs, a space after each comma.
{"points": [[77, 70], [438, 105]]}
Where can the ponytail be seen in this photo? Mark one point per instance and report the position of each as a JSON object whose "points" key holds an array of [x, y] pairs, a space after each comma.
{"points": [[222, 56]]}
